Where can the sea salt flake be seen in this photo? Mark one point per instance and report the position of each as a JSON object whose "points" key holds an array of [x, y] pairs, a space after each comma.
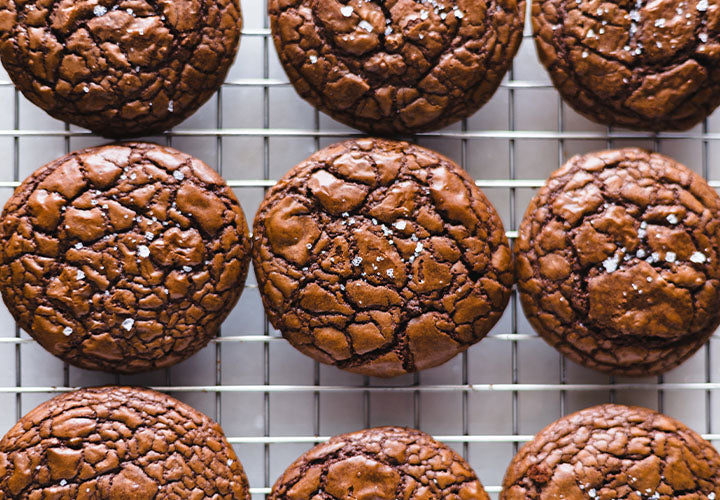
{"points": [[702, 5], [698, 258], [459, 14], [171, 106], [78, 245], [128, 324], [187, 269], [63, 482], [313, 59], [418, 247], [230, 462], [346, 11], [366, 26], [670, 257], [585, 54], [703, 37], [610, 264], [143, 251], [660, 23], [400, 225], [356, 261], [99, 10], [80, 275], [390, 272], [67, 331], [672, 219], [178, 175]]}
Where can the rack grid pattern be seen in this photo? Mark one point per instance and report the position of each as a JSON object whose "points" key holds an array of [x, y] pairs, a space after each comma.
{"points": [[273, 402]]}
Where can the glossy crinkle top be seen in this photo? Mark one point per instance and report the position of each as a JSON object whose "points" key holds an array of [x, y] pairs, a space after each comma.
{"points": [[384, 463], [618, 261], [640, 64], [120, 68], [614, 452], [124, 257], [397, 66], [118, 443], [381, 257]]}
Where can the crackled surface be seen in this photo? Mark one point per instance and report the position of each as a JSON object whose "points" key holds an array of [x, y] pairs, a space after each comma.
{"points": [[617, 261], [119, 67], [123, 257], [614, 452], [384, 463], [381, 257], [117, 443], [397, 66], [649, 65]]}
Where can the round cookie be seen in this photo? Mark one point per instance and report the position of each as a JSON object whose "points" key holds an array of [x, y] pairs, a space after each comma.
{"points": [[124, 257], [118, 442], [384, 463], [613, 452], [643, 65], [120, 68], [397, 67], [380, 257], [618, 262]]}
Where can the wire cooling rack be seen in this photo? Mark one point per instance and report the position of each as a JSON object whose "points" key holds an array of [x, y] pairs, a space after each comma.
{"points": [[275, 403]]}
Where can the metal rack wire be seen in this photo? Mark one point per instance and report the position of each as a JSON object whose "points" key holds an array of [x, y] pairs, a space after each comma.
{"points": [[498, 394]]}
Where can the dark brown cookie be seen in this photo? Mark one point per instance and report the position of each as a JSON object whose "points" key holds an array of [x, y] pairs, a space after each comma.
{"points": [[397, 66], [648, 65], [381, 257], [384, 463], [120, 68], [118, 443], [123, 258], [618, 261], [613, 452]]}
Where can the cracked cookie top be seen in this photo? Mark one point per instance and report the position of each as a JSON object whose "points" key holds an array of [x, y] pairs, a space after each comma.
{"points": [[618, 261], [648, 65], [384, 463], [120, 68], [124, 257], [397, 66], [118, 443], [381, 257], [614, 452]]}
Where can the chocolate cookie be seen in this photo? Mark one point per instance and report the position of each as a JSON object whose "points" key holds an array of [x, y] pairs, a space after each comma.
{"points": [[123, 258], [380, 257], [618, 262], [613, 452], [384, 463], [120, 68], [394, 67], [118, 443], [648, 65]]}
